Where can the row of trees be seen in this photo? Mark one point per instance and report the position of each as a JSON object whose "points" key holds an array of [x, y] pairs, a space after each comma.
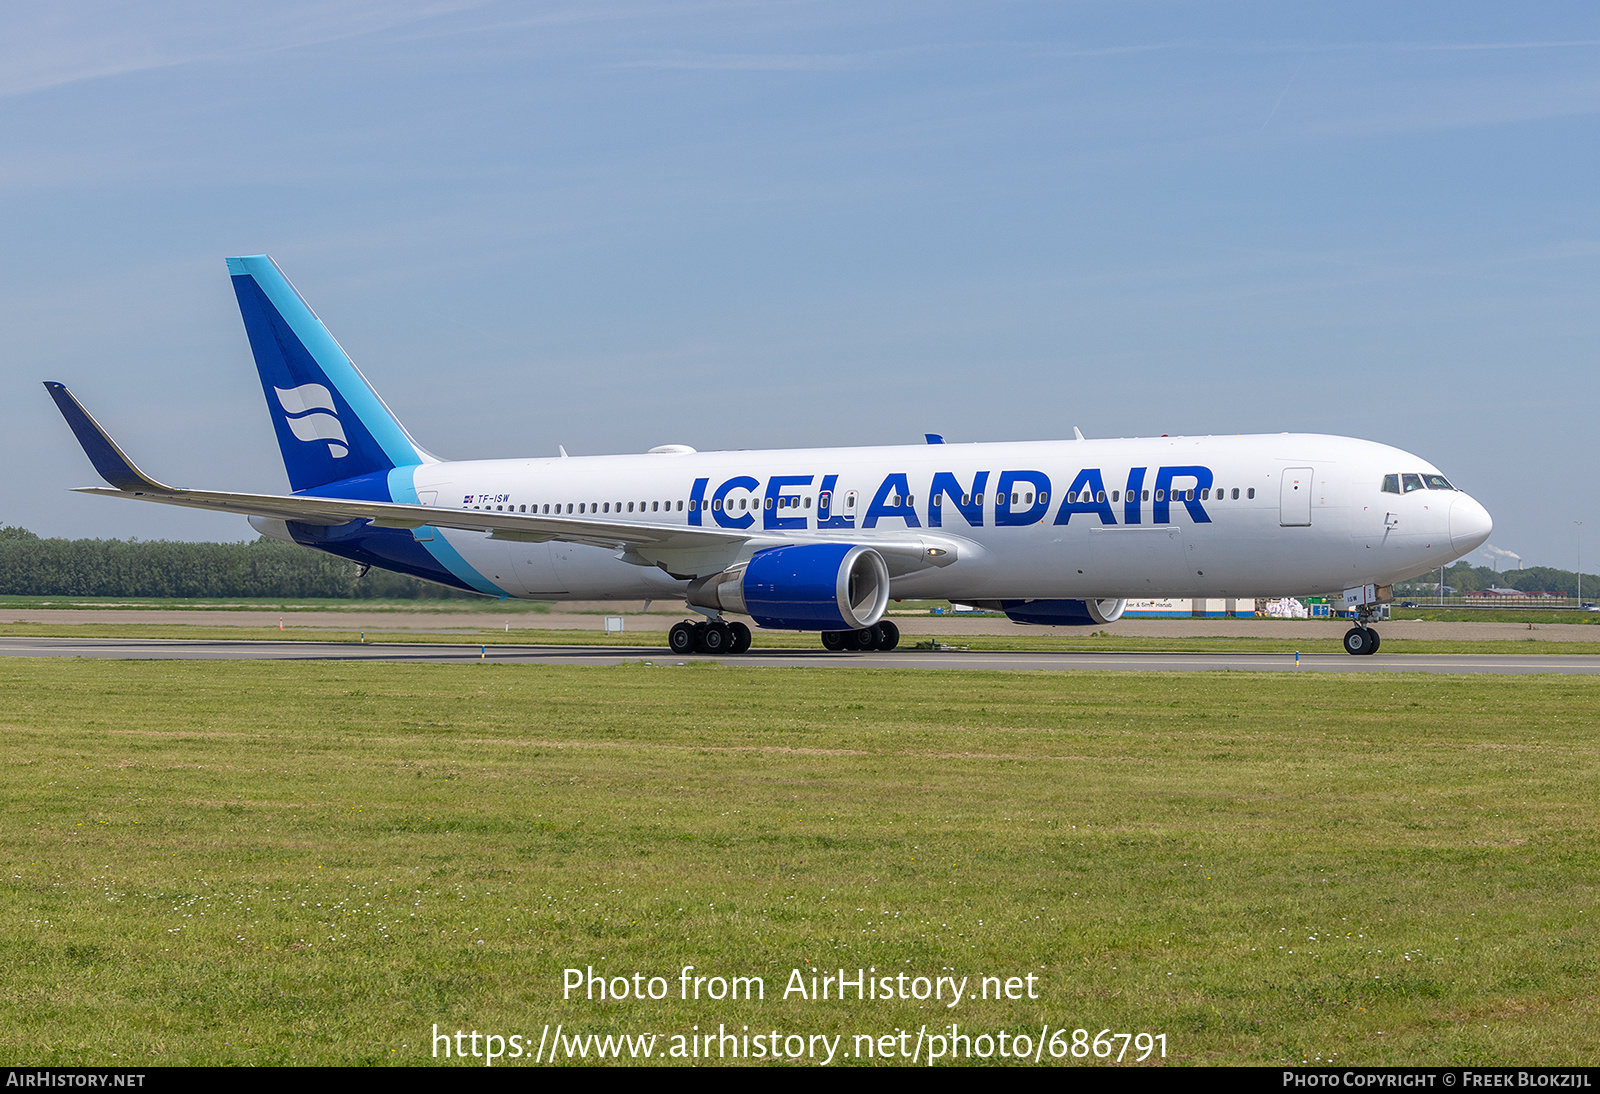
{"points": [[1467, 578], [31, 566]]}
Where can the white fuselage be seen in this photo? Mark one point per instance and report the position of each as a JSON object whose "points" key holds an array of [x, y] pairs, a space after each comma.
{"points": [[1240, 516]]}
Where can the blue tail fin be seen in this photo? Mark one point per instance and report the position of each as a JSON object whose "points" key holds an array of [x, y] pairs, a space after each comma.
{"points": [[331, 425]]}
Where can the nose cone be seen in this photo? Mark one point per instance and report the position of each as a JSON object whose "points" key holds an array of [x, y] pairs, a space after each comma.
{"points": [[1470, 525]]}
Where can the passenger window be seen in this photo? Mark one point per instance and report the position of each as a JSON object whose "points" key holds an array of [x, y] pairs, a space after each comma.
{"points": [[680, 507], [1411, 482], [1391, 484], [1252, 492], [937, 501], [966, 499], [1072, 497], [1028, 500], [1235, 493], [769, 503], [1205, 495], [1144, 495], [1116, 495], [1159, 494], [716, 503], [808, 503], [1100, 497]]}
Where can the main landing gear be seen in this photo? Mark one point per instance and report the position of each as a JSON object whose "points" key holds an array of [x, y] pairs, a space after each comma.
{"points": [[716, 637], [885, 636], [712, 636]]}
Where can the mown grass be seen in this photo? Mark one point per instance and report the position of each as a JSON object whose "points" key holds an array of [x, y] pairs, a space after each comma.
{"points": [[1491, 615], [247, 862]]}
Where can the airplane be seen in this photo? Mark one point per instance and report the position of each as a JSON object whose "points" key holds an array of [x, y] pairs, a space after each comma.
{"points": [[1048, 532]]}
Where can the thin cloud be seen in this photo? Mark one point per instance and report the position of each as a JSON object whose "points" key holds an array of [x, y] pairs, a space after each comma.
{"points": [[755, 62], [51, 47]]}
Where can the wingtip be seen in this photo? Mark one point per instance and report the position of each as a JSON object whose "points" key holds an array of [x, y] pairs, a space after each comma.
{"points": [[108, 459]]}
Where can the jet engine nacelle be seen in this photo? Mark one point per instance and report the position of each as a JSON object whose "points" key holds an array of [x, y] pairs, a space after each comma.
{"points": [[807, 587], [1064, 613]]}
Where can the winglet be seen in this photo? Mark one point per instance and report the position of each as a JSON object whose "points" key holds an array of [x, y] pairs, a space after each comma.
{"points": [[108, 459]]}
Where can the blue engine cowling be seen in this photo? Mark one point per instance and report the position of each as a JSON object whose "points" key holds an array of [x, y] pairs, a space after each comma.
{"points": [[806, 587], [1064, 613]]}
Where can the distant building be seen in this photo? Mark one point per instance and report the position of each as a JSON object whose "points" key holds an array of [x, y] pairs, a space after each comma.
{"points": [[1180, 608]]}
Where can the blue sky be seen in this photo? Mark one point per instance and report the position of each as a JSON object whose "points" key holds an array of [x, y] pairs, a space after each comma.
{"points": [[739, 225]]}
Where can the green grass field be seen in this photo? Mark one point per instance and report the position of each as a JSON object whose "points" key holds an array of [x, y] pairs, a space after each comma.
{"points": [[238, 862]]}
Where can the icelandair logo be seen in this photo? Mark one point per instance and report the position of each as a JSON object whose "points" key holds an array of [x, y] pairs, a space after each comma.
{"points": [[305, 406]]}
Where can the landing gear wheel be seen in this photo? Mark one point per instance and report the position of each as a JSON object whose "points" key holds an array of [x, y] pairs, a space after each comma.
{"points": [[716, 638], [867, 638], [888, 635], [1376, 641], [834, 640], [1359, 641], [681, 638], [741, 637]]}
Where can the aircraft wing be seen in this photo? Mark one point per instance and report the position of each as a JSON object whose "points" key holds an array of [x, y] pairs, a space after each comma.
{"points": [[680, 551], [128, 481], [525, 527]]}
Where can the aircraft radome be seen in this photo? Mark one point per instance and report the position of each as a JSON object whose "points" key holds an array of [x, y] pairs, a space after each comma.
{"points": [[1049, 532]]}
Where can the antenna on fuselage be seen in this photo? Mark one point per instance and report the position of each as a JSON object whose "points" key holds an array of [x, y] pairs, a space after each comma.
{"points": [[1078, 433], [561, 448]]}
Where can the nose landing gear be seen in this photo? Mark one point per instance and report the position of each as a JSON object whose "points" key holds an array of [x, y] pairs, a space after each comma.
{"points": [[1361, 639]]}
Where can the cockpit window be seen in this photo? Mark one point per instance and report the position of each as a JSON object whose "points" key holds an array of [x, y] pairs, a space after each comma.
{"points": [[1411, 482], [1391, 484], [1437, 482]]}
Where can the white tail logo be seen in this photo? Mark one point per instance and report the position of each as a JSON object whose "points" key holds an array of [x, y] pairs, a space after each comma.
{"points": [[304, 406]]}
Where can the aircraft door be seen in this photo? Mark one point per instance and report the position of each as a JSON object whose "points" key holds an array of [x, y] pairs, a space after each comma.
{"points": [[1294, 498]]}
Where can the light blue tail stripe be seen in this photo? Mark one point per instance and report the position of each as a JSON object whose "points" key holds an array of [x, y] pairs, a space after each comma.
{"points": [[333, 360], [403, 490]]}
